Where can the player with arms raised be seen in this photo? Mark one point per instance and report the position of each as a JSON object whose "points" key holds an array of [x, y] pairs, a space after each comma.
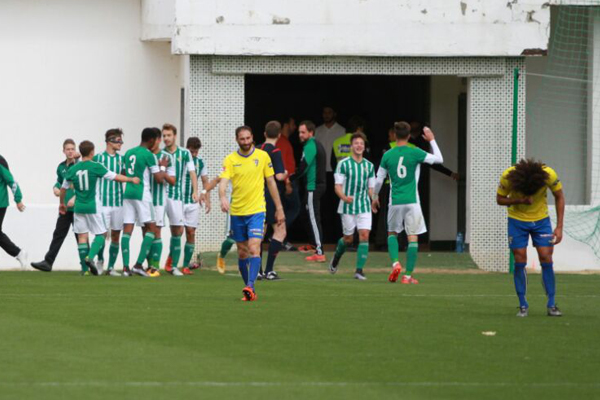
{"points": [[403, 165], [247, 169], [523, 188]]}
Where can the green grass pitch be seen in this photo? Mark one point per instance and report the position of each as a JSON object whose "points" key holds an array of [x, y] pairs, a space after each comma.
{"points": [[309, 336]]}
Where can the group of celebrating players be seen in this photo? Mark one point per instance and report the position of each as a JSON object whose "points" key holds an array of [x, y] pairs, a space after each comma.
{"points": [[163, 182]]}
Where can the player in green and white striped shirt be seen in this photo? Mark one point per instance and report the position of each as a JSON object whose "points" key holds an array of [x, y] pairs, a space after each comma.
{"points": [[159, 200], [183, 164], [111, 193], [191, 208], [354, 182]]}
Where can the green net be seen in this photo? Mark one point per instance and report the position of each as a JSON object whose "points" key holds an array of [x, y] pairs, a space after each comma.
{"points": [[563, 121]]}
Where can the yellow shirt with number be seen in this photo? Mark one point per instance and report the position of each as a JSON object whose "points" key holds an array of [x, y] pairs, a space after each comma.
{"points": [[247, 175], [539, 208]]}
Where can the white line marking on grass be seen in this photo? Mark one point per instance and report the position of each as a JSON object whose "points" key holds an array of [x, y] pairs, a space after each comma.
{"points": [[299, 384]]}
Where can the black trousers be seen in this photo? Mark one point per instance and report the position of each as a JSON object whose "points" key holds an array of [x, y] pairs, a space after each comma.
{"points": [[63, 224], [312, 200], [5, 243]]}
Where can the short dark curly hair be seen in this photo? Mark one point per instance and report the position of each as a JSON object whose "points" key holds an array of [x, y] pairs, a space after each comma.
{"points": [[528, 177]]}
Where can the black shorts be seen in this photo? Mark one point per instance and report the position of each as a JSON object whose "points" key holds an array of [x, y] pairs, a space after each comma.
{"points": [[270, 214]]}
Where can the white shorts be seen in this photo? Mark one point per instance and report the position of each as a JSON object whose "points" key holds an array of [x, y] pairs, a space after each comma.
{"points": [[137, 210], [191, 215], [89, 223], [159, 216], [175, 212], [113, 217], [350, 222], [406, 216]]}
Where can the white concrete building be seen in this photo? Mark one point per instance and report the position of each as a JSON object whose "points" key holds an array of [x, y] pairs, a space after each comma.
{"points": [[77, 68]]}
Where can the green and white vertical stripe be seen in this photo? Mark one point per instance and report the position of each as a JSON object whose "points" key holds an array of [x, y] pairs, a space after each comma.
{"points": [[187, 187], [356, 184], [181, 158], [111, 192], [159, 190]]}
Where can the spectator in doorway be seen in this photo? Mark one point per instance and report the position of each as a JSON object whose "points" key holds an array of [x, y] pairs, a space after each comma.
{"points": [[312, 169], [291, 198], [327, 133]]}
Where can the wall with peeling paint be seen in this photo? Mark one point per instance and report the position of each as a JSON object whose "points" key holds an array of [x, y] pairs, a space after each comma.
{"points": [[361, 27]]}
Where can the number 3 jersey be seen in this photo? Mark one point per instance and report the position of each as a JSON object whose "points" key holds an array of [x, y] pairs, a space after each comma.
{"points": [[140, 163], [85, 177], [402, 164]]}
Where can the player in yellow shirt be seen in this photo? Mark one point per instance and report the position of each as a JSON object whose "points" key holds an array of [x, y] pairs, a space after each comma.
{"points": [[248, 169], [523, 188]]}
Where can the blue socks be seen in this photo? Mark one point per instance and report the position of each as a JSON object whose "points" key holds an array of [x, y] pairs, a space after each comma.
{"points": [[243, 266], [549, 282], [255, 264], [520, 277]]}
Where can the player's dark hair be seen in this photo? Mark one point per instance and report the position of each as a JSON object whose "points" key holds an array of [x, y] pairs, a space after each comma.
{"points": [[402, 130], [272, 129], [310, 126], [85, 148], [242, 128], [355, 122], [112, 133], [169, 127], [194, 143], [528, 177], [149, 134], [358, 135], [68, 141]]}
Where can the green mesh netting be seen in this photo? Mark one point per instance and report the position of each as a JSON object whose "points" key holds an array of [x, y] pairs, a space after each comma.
{"points": [[563, 115]]}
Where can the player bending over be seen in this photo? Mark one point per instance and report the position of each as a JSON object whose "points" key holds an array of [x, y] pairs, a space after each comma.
{"points": [[523, 189], [354, 182], [403, 165], [247, 169], [88, 217]]}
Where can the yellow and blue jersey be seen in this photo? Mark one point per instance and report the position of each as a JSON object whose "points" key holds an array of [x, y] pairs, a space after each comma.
{"points": [[247, 174], [539, 208]]}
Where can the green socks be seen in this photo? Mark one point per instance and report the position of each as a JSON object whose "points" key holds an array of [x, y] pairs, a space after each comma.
{"points": [[113, 252], [97, 245], [146, 246], [83, 250], [393, 248], [361, 254], [101, 252], [175, 250], [125, 249], [156, 252], [411, 257], [226, 246], [188, 252], [340, 249]]}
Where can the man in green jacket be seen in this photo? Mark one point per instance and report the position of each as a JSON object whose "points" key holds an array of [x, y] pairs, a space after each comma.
{"points": [[8, 182]]}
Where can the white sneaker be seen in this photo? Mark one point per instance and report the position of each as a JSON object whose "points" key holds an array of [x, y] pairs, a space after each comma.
{"points": [[112, 272], [100, 266], [22, 259], [176, 272], [139, 271]]}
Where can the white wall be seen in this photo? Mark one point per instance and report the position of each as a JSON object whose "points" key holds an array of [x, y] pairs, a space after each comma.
{"points": [[444, 190], [360, 27], [73, 68]]}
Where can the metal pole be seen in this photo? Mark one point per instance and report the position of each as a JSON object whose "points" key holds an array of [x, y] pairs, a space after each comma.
{"points": [[513, 154]]}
